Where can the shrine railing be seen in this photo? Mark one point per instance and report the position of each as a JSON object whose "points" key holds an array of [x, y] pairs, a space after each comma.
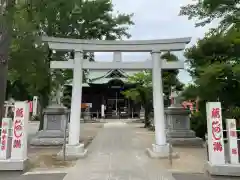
{"points": [[97, 115]]}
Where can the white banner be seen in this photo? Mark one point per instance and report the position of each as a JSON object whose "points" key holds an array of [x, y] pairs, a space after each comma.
{"points": [[20, 131], [232, 141], [5, 150], [215, 133]]}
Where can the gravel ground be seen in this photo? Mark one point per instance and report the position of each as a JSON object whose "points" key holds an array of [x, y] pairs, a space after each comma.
{"points": [[191, 159], [45, 157], [190, 165]]}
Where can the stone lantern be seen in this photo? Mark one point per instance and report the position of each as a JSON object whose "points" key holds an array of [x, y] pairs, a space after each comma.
{"points": [[55, 118], [178, 124]]}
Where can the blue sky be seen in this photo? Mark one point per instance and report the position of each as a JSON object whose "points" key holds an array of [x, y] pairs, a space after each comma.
{"points": [[156, 19]]}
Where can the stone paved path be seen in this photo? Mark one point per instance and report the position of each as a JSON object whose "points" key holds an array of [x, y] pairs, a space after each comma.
{"points": [[116, 154]]}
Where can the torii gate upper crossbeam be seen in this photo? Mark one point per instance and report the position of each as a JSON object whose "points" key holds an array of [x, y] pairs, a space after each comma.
{"points": [[62, 44], [116, 65]]}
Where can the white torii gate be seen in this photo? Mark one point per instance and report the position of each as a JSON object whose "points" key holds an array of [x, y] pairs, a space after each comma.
{"points": [[155, 47]]}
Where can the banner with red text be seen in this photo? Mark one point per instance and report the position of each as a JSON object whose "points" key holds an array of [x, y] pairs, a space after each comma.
{"points": [[20, 131], [5, 150], [215, 133], [232, 141]]}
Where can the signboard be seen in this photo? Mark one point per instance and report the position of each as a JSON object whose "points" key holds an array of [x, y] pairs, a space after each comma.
{"points": [[215, 133], [86, 105], [232, 141], [19, 139], [5, 150]]}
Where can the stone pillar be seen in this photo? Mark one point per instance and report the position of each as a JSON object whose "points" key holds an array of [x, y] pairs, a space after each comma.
{"points": [[158, 100], [160, 149], [35, 106], [102, 111], [74, 127], [74, 149]]}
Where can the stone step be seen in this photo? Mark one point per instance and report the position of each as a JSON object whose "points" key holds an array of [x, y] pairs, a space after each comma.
{"points": [[187, 142]]}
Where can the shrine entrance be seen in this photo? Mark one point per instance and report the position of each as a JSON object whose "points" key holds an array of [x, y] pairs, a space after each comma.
{"points": [[155, 47], [117, 105]]}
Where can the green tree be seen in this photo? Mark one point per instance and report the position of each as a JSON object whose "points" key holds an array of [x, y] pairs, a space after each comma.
{"points": [[214, 65], [143, 91], [6, 9], [215, 60], [28, 65], [29, 58], [64, 20], [190, 92], [226, 11]]}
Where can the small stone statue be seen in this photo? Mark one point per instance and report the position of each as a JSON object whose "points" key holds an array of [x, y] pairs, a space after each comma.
{"points": [[59, 94], [176, 98], [53, 98]]}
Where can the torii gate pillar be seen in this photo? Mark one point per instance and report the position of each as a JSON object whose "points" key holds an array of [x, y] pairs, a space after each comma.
{"points": [[161, 148], [158, 102]]}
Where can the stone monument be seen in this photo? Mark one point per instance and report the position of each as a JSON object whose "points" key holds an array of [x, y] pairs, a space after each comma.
{"points": [[178, 124], [55, 118]]}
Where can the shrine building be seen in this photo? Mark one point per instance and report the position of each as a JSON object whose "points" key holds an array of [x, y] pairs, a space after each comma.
{"points": [[104, 87]]}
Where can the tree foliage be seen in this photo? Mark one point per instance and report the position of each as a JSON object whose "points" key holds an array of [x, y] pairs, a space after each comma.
{"points": [[6, 9], [215, 60], [29, 59], [75, 19], [226, 11], [214, 63], [143, 91]]}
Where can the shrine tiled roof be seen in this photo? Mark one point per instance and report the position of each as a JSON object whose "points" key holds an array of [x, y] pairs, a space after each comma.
{"points": [[102, 77]]}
